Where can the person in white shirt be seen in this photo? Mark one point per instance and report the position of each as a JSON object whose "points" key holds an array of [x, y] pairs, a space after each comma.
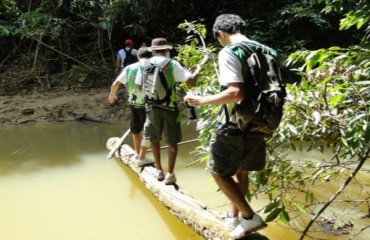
{"points": [[136, 104], [164, 118]]}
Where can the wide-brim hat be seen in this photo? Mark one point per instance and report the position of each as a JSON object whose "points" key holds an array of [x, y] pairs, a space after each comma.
{"points": [[160, 44]]}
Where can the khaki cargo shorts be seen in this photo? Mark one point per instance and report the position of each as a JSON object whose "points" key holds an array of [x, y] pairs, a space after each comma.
{"points": [[161, 121]]}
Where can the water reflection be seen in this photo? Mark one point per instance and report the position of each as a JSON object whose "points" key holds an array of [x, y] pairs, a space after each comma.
{"points": [[56, 183], [174, 225], [26, 149]]}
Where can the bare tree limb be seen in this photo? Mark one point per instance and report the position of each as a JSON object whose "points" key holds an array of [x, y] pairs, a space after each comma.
{"points": [[345, 184]]}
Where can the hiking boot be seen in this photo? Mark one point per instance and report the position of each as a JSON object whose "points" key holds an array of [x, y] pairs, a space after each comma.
{"points": [[170, 179], [144, 161], [159, 175], [247, 226], [231, 222]]}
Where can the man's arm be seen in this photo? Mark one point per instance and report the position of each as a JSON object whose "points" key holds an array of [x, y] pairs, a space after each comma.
{"points": [[117, 63], [233, 93], [191, 82], [113, 92], [117, 66], [139, 80]]}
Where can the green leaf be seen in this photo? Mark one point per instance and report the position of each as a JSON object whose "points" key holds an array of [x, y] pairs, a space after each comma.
{"points": [[300, 208], [336, 99], [273, 214], [293, 129], [284, 216], [271, 206]]}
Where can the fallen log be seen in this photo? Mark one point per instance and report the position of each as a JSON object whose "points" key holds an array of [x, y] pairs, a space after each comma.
{"points": [[206, 222]]}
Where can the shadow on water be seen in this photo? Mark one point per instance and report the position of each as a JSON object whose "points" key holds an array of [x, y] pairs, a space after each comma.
{"points": [[172, 222], [32, 148], [255, 236]]}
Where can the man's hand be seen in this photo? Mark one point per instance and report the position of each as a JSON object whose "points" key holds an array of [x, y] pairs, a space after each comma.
{"points": [[192, 100], [207, 55], [112, 98]]}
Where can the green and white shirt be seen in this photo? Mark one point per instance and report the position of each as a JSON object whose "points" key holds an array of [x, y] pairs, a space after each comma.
{"points": [[128, 77]]}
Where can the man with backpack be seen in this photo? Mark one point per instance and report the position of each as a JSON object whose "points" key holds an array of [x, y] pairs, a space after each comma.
{"points": [[125, 56], [161, 106], [236, 149], [136, 104]]}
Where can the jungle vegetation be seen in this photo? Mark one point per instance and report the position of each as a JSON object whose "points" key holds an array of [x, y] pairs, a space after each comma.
{"points": [[325, 57]]}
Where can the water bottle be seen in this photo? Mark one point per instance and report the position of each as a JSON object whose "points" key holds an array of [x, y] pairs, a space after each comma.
{"points": [[192, 115]]}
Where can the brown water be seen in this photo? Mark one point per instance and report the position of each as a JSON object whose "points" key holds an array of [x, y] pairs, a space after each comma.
{"points": [[56, 184]]}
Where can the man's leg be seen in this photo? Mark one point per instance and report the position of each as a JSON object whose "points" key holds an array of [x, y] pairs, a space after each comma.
{"points": [[242, 180], [143, 148], [172, 154], [172, 131], [136, 137], [157, 155], [159, 175], [170, 177], [233, 192]]}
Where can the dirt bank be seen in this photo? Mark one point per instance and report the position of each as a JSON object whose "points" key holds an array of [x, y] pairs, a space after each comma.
{"points": [[62, 105]]}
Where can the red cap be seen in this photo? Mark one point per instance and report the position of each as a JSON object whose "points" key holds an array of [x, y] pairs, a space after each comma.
{"points": [[129, 42]]}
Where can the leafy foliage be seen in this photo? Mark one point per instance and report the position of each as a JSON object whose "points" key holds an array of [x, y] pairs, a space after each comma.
{"points": [[77, 38], [327, 111], [51, 43], [190, 54]]}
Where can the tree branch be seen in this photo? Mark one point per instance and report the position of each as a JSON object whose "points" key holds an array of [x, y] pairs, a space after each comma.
{"points": [[345, 184]]}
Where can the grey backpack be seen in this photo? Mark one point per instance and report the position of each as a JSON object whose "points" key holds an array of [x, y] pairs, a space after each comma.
{"points": [[155, 89]]}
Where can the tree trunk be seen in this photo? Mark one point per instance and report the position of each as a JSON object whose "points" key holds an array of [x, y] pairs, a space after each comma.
{"points": [[206, 222]]}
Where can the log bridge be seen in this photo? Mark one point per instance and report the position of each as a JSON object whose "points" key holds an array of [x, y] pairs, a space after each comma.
{"points": [[206, 222]]}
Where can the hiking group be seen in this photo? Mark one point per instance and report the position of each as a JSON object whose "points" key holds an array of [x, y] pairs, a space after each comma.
{"points": [[238, 144]]}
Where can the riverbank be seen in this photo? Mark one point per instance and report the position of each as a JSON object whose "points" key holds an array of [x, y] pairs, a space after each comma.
{"points": [[61, 105]]}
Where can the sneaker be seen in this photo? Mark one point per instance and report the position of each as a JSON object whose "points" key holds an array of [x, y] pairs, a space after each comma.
{"points": [[144, 161], [170, 179], [231, 222], [247, 226], [159, 175]]}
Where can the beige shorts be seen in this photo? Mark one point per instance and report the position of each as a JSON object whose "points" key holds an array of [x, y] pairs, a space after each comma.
{"points": [[161, 121]]}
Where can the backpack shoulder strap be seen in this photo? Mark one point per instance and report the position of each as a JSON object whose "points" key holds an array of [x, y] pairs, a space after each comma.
{"points": [[245, 47], [128, 52], [164, 63], [162, 75], [259, 48]]}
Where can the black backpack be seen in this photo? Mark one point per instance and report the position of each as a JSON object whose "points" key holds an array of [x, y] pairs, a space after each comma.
{"points": [[155, 86], [129, 59], [262, 108]]}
